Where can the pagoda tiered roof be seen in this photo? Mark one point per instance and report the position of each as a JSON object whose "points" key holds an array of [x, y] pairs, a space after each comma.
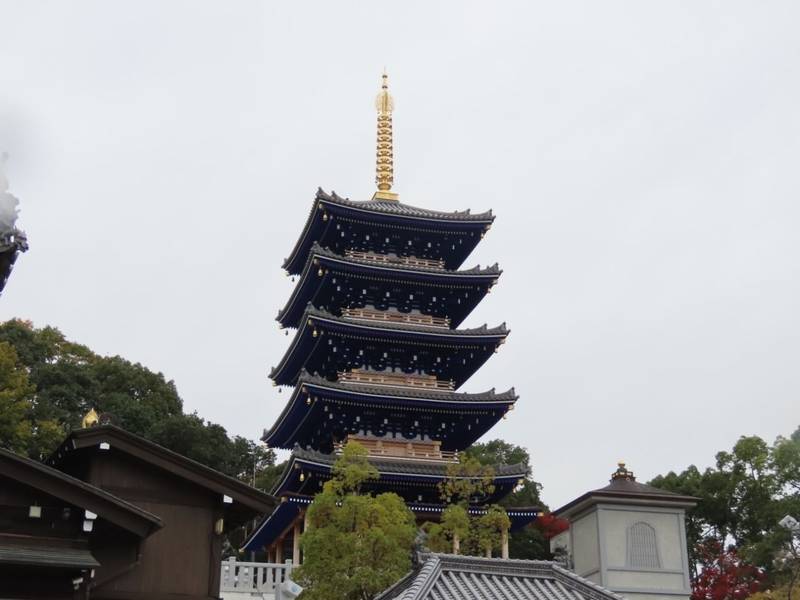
{"points": [[306, 419], [313, 348], [291, 506], [415, 480], [442, 292], [328, 209], [11, 244]]}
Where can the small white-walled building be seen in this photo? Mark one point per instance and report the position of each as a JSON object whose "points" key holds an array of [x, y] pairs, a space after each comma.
{"points": [[630, 538]]}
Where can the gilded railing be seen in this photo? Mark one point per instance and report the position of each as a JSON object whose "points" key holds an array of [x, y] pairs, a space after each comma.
{"points": [[390, 449], [411, 261], [395, 379], [386, 316]]}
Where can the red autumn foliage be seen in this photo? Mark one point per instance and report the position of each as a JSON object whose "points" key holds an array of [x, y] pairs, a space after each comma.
{"points": [[724, 575], [550, 525]]}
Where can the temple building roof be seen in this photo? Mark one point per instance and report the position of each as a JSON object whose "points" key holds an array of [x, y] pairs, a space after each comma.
{"points": [[307, 352], [324, 266], [53, 483], [387, 214], [454, 577], [624, 489], [72, 455], [305, 415]]}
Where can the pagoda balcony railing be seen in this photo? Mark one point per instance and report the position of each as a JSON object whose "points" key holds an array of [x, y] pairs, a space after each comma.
{"points": [[386, 316], [429, 382], [411, 261], [401, 450]]}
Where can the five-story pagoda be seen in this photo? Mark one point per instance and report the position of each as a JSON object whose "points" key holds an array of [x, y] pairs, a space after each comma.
{"points": [[378, 355]]}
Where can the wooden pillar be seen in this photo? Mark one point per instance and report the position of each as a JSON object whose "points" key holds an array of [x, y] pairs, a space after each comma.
{"points": [[279, 551], [305, 520], [488, 552], [456, 544], [296, 544], [504, 543]]}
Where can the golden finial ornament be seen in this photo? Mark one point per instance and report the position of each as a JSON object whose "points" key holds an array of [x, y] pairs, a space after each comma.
{"points": [[384, 164], [90, 419], [622, 473]]}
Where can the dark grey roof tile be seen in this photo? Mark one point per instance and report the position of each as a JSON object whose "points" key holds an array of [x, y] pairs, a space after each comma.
{"points": [[400, 209], [451, 577]]}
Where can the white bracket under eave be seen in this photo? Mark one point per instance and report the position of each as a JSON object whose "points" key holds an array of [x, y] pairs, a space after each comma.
{"points": [[227, 499]]}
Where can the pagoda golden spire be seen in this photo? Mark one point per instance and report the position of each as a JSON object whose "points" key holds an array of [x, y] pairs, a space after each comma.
{"points": [[384, 163]]}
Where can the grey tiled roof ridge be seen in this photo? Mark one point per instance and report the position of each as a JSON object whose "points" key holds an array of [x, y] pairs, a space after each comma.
{"points": [[421, 394], [619, 491], [316, 313], [419, 582], [416, 583], [404, 466], [316, 248], [396, 208]]}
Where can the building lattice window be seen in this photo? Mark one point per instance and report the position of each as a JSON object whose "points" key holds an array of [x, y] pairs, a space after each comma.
{"points": [[642, 548]]}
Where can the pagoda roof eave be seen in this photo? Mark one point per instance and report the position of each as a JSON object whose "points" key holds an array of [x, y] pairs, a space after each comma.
{"points": [[390, 212], [291, 505], [489, 396], [411, 470], [315, 317], [319, 257], [283, 433], [12, 243]]}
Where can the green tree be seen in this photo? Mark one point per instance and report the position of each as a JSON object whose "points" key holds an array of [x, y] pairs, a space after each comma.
{"points": [[467, 481], [15, 394], [356, 544], [490, 528], [741, 500], [67, 379], [529, 542]]}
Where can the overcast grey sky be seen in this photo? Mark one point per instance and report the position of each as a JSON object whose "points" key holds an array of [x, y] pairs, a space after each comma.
{"points": [[641, 158]]}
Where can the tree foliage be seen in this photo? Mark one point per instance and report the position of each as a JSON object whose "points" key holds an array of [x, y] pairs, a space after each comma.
{"points": [[16, 392], [490, 527], [741, 500], [724, 575], [530, 542], [49, 383], [356, 544]]}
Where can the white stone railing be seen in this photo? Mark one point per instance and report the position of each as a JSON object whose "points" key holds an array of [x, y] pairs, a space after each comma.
{"points": [[252, 577]]}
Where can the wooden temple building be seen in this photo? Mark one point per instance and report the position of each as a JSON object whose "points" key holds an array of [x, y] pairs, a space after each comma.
{"points": [[113, 516], [379, 355]]}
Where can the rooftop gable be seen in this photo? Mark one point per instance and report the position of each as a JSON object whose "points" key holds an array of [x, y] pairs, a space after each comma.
{"points": [[626, 491], [172, 462], [452, 577], [78, 493]]}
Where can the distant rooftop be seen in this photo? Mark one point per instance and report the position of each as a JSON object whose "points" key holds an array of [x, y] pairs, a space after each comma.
{"points": [[624, 489], [453, 577]]}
